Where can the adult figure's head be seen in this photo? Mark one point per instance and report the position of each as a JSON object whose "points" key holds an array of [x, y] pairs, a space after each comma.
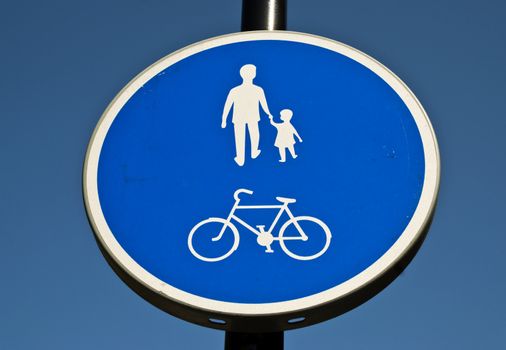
{"points": [[248, 72]]}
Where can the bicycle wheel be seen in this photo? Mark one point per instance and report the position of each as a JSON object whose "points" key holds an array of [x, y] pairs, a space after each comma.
{"points": [[208, 229], [317, 232]]}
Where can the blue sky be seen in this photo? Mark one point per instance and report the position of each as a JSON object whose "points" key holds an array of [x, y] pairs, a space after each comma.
{"points": [[64, 61]]}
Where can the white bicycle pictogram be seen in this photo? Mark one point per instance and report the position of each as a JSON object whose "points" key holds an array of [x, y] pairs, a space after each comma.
{"points": [[264, 238]]}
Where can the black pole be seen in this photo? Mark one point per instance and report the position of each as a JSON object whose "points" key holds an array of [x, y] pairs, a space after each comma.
{"points": [[263, 15], [254, 341], [259, 15]]}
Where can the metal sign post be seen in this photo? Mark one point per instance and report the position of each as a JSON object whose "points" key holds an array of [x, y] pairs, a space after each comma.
{"points": [[254, 341], [263, 15], [259, 15]]}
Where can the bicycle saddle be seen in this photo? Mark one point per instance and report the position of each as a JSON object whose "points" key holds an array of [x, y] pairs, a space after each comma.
{"points": [[286, 200]]}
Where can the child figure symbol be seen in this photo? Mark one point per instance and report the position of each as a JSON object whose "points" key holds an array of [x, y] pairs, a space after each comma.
{"points": [[285, 137]]}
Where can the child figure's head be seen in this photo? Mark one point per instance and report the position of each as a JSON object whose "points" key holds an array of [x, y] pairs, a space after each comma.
{"points": [[286, 115]]}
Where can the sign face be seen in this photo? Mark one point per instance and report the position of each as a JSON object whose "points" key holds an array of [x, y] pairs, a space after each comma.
{"points": [[261, 175]]}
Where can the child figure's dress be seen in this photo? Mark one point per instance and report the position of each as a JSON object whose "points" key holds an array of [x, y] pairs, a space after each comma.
{"points": [[285, 138]]}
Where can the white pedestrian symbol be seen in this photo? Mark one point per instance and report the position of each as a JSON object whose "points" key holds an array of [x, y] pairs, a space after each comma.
{"points": [[245, 100], [264, 238]]}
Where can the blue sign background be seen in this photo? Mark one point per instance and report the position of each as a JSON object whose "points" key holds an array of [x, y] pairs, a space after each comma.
{"points": [[166, 164]]}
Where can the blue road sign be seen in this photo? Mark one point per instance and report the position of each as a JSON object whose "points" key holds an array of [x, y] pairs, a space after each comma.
{"points": [[261, 174]]}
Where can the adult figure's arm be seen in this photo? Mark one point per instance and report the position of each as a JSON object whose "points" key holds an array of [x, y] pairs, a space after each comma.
{"points": [[263, 102], [226, 110]]}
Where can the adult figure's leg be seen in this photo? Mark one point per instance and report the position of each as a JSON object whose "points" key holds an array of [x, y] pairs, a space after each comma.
{"points": [[240, 135], [254, 135]]}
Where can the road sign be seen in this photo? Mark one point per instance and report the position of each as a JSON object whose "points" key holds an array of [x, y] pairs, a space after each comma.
{"points": [[261, 181]]}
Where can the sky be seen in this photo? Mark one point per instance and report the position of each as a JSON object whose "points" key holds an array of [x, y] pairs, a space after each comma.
{"points": [[64, 61]]}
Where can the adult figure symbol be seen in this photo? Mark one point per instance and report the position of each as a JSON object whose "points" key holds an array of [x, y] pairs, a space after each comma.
{"points": [[245, 100]]}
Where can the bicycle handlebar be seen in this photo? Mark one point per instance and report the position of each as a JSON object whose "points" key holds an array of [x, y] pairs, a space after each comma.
{"points": [[241, 190]]}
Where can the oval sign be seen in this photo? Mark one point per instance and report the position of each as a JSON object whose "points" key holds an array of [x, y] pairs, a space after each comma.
{"points": [[261, 180]]}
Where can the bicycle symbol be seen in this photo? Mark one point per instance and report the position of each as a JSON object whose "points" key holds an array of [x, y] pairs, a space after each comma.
{"points": [[264, 238]]}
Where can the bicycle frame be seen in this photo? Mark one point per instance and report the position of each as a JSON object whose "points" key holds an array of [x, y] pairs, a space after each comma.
{"points": [[283, 208]]}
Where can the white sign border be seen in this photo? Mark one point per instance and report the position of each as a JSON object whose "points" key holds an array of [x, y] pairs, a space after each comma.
{"points": [[410, 235]]}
